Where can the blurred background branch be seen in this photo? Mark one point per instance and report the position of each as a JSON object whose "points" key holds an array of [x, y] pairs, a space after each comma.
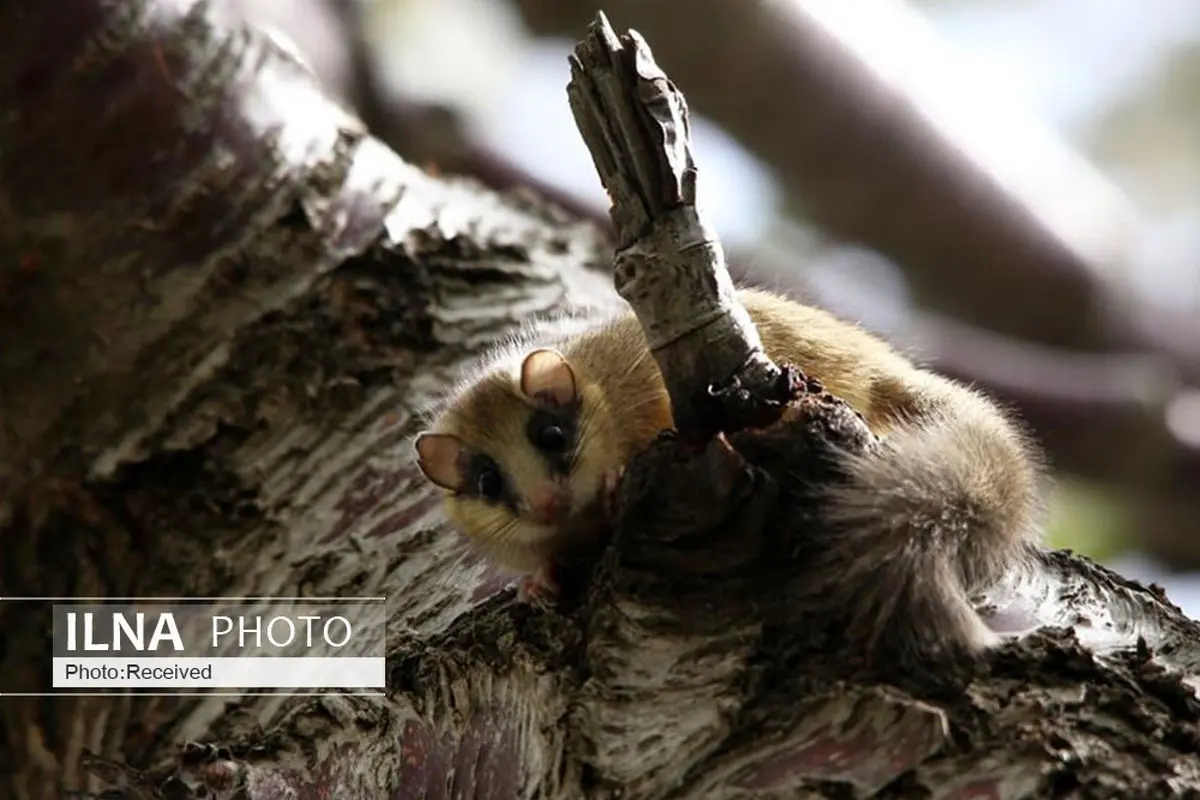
{"points": [[869, 160]]}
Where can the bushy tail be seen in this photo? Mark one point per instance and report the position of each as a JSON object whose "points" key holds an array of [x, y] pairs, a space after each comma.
{"points": [[943, 506]]}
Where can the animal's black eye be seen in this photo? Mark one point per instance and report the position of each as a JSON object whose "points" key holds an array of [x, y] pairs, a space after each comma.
{"points": [[489, 484], [551, 438]]}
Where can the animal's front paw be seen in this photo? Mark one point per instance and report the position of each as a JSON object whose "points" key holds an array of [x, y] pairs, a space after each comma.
{"points": [[539, 589]]}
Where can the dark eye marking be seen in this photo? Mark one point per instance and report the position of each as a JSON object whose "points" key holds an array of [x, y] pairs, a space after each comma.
{"points": [[489, 484], [554, 432], [485, 480]]}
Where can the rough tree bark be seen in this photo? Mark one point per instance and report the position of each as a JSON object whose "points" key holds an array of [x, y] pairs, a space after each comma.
{"points": [[223, 302]]}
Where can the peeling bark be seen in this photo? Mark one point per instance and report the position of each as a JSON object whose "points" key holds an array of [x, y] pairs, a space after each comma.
{"points": [[237, 302], [209, 379]]}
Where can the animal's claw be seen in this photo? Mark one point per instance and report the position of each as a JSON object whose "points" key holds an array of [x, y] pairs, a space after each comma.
{"points": [[539, 589]]}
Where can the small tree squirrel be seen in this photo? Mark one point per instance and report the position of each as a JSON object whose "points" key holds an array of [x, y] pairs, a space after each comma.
{"points": [[528, 446]]}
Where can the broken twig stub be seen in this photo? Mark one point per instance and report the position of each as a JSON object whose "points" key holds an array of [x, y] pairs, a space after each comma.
{"points": [[670, 266]]}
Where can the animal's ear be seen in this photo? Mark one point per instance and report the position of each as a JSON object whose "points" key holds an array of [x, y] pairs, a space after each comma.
{"points": [[440, 457], [547, 375]]}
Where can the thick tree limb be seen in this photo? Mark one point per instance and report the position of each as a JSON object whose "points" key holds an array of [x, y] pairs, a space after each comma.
{"points": [[206, 386], [251, 415]]}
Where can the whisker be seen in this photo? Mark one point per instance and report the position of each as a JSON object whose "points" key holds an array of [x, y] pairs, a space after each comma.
{"points": [[502, 523], [642, 403], [637, 362], [510, 528], [583, 438]]}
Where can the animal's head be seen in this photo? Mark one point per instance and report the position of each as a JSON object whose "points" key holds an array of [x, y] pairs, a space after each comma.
{"points": [[513, 452]]}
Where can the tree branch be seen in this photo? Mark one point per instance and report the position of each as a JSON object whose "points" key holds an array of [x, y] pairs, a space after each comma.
{"points": [[669, 264], [210, 378]]}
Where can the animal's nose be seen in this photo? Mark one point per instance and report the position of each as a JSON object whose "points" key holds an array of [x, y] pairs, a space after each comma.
{"points": [[549, 504]]}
